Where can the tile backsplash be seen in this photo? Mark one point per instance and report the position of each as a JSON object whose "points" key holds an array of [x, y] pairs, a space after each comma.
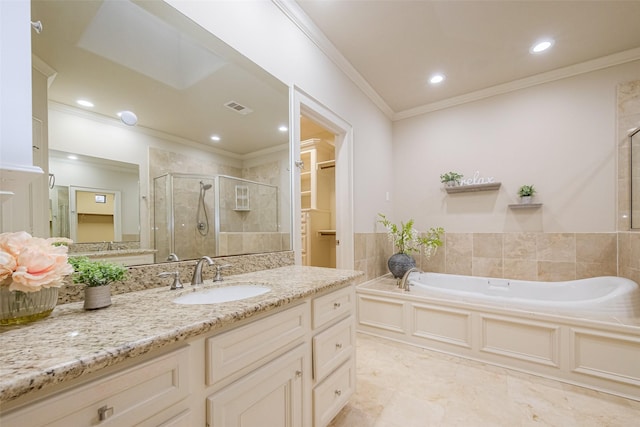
{"points": [[526, 256]]}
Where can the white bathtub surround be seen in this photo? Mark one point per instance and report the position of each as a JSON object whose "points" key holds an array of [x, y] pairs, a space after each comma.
{"points": [[570, 349], [405, 386]]}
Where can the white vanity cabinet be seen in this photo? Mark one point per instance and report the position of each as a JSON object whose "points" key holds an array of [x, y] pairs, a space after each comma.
{"points": [[294, 368], [333, 348], [150, 393]]}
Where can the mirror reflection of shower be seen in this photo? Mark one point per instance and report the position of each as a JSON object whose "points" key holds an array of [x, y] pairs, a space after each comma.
{"points": [[202, 218]]}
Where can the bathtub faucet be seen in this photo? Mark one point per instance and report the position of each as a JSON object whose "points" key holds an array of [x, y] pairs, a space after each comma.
{"points": [[404, 282]]}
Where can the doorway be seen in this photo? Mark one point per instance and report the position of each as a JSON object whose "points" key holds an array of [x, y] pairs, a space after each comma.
{"points": [[95, 215], [333, 128], [317, 195]]}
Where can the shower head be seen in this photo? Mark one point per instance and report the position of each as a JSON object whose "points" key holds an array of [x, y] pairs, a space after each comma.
{"points": [[204, 186]]}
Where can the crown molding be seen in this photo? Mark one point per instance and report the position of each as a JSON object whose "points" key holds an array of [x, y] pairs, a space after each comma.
{"points": [[558, 74], [296, 15]]}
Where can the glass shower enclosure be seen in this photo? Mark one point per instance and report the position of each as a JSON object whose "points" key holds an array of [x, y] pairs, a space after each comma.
{"points": [[196, 215]]}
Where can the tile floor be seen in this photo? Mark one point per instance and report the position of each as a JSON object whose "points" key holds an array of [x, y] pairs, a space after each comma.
{"points": [[404, 386]]}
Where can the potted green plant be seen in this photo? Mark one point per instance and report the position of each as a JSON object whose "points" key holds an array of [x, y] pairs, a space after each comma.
{"points": [[526, 193], [97, 276], [451, 179], [406, 240]]}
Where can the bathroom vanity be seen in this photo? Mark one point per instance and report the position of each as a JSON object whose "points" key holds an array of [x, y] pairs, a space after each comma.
{"points": [[286, 357]]}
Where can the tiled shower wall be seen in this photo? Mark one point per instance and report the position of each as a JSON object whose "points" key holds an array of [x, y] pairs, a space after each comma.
{"points": [[536, 255]]}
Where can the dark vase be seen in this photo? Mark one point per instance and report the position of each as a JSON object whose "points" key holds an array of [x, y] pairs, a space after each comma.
{"points": [[400, 264]]}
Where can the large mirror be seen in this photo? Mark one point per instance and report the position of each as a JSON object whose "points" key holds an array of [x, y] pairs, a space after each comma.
{"points": [[208, 130]]}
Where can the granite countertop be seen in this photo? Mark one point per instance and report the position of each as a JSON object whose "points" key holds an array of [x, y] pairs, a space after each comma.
{"points": [[73, 342]]}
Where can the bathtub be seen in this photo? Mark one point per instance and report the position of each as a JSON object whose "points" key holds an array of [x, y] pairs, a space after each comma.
{"points": [[582, 332], [598, 297]]}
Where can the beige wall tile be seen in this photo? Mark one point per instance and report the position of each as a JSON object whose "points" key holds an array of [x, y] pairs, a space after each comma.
{"points": [[436, 263], [487, 245], [520, 269], [520, 246], [556, 247], [585, 270], [596, 247], [458, 253], [634, 250], [359, 246], [486, 267], [551, 271]]}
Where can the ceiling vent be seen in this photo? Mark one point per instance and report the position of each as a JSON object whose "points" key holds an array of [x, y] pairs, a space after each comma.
{"points": [[238, 108]]}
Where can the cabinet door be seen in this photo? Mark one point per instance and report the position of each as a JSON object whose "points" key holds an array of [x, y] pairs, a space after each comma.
{"points": [[269, 396]]}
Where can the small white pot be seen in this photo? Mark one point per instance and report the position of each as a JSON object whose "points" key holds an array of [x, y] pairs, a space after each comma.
{"points": [[97, 297], [526, 200]]}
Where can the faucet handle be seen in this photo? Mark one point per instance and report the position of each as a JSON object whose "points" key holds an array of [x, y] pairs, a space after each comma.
{"points": [[176, 284], [219, 268]]}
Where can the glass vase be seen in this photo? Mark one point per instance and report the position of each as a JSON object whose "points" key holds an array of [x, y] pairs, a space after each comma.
{"points": [[17, 307]]}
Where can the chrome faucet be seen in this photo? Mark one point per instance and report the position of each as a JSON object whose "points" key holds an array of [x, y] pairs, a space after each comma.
{"points": [[404, 282], [173, 257], [196, 280]]}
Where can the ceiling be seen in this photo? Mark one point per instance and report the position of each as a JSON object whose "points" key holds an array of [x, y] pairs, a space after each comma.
{"points": [[482, 47], [389, 48], [176, 77]]}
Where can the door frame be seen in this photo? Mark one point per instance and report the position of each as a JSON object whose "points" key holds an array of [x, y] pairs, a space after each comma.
{"points": [[303, 104], [73, 212]]}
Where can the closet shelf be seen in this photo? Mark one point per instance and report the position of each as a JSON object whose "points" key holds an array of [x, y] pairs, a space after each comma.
{"points": [[326, 165], [472, 188]]}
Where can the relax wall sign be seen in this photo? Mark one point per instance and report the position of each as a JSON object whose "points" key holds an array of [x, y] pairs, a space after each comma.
{"points": [[477, 179]]}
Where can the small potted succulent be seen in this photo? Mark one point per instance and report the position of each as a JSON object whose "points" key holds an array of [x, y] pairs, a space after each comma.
{"points": [[97, 276], [407, 239], [451, 179], [526, 193]]}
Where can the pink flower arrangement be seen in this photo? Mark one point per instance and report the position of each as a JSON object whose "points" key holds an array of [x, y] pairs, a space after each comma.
{"points": [[29, 264]]}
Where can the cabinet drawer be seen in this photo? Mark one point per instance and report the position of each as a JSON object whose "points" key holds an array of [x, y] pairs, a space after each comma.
{"points": [[333, 306], [124, 398], [333, 393], [230, 354], [333, 347]]}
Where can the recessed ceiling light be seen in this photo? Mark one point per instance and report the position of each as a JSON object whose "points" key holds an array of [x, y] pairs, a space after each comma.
{"points": [[541, 46], [84, 103], [283, 128], [215, 138], [129, 118], [72, 157], [436, 78]]}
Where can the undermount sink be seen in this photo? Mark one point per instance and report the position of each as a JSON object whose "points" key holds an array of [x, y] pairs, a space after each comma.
{"points": [[224, 294]]}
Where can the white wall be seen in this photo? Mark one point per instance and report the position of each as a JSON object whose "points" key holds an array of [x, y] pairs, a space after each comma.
{"points": [[559, 136], [260, 31]]}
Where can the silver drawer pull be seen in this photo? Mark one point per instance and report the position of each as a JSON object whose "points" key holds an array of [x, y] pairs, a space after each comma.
{"points": [[105, 412], [338, 345], [298, 374], [336, 305], [338, 392]]}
